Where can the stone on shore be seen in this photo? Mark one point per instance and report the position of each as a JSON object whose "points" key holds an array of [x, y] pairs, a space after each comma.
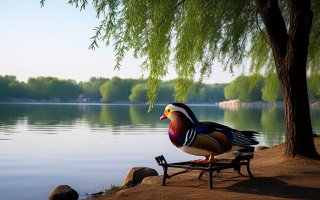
{"points": [[136, 174], [152, 180], [63, 192]]}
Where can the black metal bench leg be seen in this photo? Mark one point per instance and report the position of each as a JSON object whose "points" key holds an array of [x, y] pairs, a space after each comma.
{"points": [[210, 179], [165, 175], [200, 175], [239, 170], [248, 169]]}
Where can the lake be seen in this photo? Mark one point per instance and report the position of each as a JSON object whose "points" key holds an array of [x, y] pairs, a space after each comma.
{"points": [[91, 146]]}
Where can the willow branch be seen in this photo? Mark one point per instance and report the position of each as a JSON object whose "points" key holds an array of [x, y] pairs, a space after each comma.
{"points": [[315, 40], [260, 28], [162, 21]]}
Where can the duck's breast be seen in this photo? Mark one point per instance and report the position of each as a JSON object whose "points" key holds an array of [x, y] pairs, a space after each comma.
{"points": [[177, 140]]}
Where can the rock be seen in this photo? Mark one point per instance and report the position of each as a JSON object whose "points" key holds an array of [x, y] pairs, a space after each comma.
{"points": [[136, 174], [151, 180], [63, 192], [259, 148]]}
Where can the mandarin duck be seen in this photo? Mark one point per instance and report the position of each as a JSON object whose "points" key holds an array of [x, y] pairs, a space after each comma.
{"points": [[203, 138]]}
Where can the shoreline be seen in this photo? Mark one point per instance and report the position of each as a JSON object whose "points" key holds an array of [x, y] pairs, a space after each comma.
{"points": [[275, 177], [236, 102]]}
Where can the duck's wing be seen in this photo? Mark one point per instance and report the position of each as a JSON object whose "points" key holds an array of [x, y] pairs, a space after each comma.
{"points": [[235, 137], [206, 138], [210, 127], [218, 138]]}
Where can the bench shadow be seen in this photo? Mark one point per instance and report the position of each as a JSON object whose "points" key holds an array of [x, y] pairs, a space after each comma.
{"points": [[272, 187]]}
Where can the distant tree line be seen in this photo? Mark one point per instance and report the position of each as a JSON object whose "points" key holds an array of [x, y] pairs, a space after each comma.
{"points": [[253, 88], [244, 88], [39, 88], [204, 93]]}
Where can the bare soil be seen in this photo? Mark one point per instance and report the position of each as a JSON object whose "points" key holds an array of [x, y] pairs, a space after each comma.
{"points": [[276, 177]]}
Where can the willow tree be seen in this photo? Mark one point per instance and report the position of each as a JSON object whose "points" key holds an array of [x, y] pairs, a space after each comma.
{"points": [[190, 34]]}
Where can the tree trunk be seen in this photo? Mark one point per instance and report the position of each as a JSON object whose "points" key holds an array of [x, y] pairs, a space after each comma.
{"points": [[299, 138], [290, 52]]}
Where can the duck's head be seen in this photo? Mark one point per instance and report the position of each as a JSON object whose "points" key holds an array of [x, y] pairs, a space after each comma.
{"points": [[174, 109]]}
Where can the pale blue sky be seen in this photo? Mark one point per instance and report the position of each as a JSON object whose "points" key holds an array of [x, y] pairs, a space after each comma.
{"points": [[54, 40]]}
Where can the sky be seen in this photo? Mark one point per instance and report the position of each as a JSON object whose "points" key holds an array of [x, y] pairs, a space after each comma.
{"points": [[54, 40]]}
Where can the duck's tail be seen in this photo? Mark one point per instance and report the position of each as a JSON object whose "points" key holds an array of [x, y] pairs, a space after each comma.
{"points": [[245, 138]]}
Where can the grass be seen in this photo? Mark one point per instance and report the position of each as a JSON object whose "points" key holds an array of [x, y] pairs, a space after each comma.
{"points": [[114, 189]]}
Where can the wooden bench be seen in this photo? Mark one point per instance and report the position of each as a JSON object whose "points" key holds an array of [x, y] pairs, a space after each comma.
{"points": [[242, 157]]}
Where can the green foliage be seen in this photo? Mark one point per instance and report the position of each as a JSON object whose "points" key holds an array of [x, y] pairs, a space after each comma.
{"points": [[114, 189], [231, 91], [11, 88], [260, 50], [63, 89], [314, 87], [109, 90], [4, 87], [91, 89], [166, 90], [207, 93], [138, 93], [271, 90], [18, 90], [38, 87], [50, 87], [217, 91], [117, 90], [201, 31], [189, 35], [245, 88], [268, 88]]}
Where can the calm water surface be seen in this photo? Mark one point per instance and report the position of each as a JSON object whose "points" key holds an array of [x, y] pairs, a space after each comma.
{"points": [[91, 146]]}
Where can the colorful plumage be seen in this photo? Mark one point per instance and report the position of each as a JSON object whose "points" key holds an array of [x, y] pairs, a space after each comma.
{"points": [[203, 138]]}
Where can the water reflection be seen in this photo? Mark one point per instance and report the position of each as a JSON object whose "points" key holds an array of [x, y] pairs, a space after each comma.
{"points": [[272, 121], [245, 118], [115, 116], [92, 146], [140, 115], [134, 119], [315, 119]]}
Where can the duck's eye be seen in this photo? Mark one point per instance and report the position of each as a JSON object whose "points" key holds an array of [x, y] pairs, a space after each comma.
{"points": [[168, 110]]}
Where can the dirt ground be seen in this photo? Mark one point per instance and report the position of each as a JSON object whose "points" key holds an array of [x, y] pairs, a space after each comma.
{"points": [[275, 177]]}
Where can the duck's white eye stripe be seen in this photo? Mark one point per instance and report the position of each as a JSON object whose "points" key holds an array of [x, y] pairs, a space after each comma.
{"points": [[183, 111]]}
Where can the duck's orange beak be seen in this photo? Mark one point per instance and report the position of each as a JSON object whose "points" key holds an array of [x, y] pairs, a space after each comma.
{"points": [[164, 116]]}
